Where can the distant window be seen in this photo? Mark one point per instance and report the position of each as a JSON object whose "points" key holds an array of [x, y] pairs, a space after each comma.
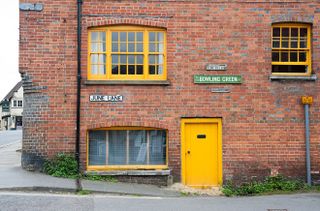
{"points": [[14, 103], [291, 50], [19, 103], [129, 148]]}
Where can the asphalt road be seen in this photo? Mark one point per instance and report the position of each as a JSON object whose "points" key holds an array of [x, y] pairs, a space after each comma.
{"points": [[9, 137], [44, 201]]}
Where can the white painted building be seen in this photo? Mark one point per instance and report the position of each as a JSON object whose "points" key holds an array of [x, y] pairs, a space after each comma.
{"points": [[11, 108]]}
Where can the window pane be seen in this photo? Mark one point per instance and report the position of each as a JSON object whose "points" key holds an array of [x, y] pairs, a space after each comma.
{"points": [[102, 37], [152, 69], [139, 59], [137, 147], [131, 59], [160, 36], [160, 48], [123, 69], [139, 69], [157, 147], [284, 56], [303, 32], [123, 47], [160, 69], [114, 36], [131, 47], [94, 37], [285, 44], [152, 47], [117, 147], [94, 69], [152, 36], [294, 32], [275, 56], [285, 32], [123, 36], [293, 56], [102, 58], [303, 43], [131, 70], [152, 59], [115, 70], [94, 58], [139, 47], [276, 32], [131, 36], [97, 148], [115, 47], [95, 47], [276, 43], [123, 59], [139, 36], [294, 43], [115, 59], [160, 59], [302, 57], [102, 69]]}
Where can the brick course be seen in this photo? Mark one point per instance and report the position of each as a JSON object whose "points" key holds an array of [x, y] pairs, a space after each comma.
{"points": [[263, 120]]}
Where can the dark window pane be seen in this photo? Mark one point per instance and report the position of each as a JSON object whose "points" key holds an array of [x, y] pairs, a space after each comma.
{"points": [[294, 44], [139, 69], [276, 32], [294, 32], [276, 44], [131, 69], [139, 36], [137, 147], [157, 147], [303, 32], [285, 44], [285, 32], [123, 69], [123, 36], [303, 43], [114, 36], [275, 56], [152, 69], [302, 57], [288, 68], [117, 147], [284, 56], [131, 36], [97, 148], [293, 56], [115, 70]]}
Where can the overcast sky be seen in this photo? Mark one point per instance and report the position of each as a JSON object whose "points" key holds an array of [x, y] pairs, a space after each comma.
{"points": [[9, 46]]}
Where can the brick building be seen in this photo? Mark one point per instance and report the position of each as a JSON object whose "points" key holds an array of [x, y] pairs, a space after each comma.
{"points": [[206, 91]]}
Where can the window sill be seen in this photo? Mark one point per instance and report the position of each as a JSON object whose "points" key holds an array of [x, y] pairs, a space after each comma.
{"points": [[298, 78], [127, 82], [130, 172]]}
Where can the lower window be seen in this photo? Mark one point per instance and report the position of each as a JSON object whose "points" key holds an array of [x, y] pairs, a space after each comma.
{"points": [[127, 147]]}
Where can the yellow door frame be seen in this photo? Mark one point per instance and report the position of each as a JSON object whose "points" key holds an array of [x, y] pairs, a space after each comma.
{"points": [[183, 144]]}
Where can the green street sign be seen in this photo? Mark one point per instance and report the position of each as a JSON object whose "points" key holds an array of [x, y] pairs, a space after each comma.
{"points": [[217, 79]]}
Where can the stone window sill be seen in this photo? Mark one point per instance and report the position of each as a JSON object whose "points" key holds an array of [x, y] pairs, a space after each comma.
{"points": [[127, 82], [130, 172], [298, 78]]}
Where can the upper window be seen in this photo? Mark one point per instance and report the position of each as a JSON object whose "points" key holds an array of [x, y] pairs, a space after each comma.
{"points": [[127, 53], [291, 49]]}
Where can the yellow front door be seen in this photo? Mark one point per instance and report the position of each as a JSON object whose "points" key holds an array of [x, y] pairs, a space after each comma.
{"points": [[201, 152]]}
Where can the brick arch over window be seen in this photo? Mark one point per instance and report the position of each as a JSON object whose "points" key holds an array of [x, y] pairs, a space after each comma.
{"points": [[102, 21], [122, 122], [292, 18]]}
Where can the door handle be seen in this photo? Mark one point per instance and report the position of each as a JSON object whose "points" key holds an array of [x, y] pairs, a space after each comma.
{"points": [[188, 151]]}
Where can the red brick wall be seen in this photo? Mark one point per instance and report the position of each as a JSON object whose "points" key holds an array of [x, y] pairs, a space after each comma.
{"points": [[263, 120]]}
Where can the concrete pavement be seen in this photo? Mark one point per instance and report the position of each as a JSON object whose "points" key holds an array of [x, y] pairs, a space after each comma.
{"points": [[13, 177]]}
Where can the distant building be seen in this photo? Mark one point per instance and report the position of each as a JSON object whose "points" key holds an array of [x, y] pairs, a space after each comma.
{"points": [[11, 109]]}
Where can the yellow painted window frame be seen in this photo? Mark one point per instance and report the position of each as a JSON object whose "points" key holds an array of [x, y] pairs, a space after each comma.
{"points": [[125, 167], [146, 52], [308, 48], [186, 121]]}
